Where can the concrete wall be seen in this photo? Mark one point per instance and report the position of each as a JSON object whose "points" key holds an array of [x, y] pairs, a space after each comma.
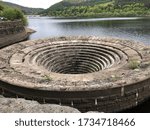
{"points": [[11, 32], [109, 100]]}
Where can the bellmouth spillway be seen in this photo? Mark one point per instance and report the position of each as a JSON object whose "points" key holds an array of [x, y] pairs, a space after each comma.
{"points": [[88, 73]]}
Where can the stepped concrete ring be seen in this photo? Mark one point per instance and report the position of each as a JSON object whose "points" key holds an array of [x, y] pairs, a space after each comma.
{"points": [[88, 73]]}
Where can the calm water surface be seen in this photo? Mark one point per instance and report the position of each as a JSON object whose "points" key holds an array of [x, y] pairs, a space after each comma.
{"points": [[137, 29]]}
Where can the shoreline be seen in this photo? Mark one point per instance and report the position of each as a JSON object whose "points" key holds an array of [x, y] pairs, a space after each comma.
{"points": [[89, 17], [29, 31]]}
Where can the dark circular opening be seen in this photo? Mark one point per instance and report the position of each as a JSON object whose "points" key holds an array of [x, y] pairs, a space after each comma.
{"points": [[77, 58]]}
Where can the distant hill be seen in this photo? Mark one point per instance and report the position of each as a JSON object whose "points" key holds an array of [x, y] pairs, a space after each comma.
{"points": [[98, 8], [26, 10], [66, 3], [72, 3]]}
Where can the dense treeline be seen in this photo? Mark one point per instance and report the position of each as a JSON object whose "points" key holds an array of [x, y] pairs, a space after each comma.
{"points": [[70, 4], [84, 2], [123, 2], [101, 8], [8, 13]]}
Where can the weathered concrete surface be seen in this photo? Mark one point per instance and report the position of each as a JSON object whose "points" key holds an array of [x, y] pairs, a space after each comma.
{"points": [[12, 32], [8, 105], [103, 63], [88, 73], [1, 96], [29, 30]]}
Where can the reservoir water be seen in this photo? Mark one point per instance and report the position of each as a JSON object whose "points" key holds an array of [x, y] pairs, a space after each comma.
{"points": [[133, 28], [137, 29]]}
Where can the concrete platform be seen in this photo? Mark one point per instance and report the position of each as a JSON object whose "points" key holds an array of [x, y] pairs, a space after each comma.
{"points": [[88, 73]]}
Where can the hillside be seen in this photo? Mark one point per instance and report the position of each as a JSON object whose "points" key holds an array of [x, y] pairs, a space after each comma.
{"points": [[124, 2], [67, 4], [80, 1], [98, 8], [26, 10]]}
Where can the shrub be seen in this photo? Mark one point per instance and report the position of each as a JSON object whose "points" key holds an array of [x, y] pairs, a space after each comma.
{"points": [[47, 77], [134, 64], [14, 14]]}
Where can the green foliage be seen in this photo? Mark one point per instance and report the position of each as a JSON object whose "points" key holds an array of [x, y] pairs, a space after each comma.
{"points": [[99, 8], [1, 7], [47, 77], [63, 5], [124, 2], [114, 78], [12, 14], [134, 64]]}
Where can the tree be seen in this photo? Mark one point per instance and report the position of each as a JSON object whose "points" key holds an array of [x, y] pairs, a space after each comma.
{"points": [[14, 14]]}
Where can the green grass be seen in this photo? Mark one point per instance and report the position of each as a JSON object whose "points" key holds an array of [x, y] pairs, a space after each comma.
{"points": [[134, 64], [47, 77], [114, 78]]}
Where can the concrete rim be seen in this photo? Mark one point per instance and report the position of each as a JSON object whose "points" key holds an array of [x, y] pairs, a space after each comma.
{"points": [[32, 76]]}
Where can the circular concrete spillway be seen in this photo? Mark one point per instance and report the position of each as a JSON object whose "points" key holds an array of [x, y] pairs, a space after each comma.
{"points": [[75, 57], [88, 73]]}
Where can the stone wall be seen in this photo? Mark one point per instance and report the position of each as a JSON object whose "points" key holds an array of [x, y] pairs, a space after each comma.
{"points": [[11, 32], [109, 100]]}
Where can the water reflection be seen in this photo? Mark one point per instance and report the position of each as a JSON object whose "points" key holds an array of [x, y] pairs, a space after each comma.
{"points": [[137, 29]]}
